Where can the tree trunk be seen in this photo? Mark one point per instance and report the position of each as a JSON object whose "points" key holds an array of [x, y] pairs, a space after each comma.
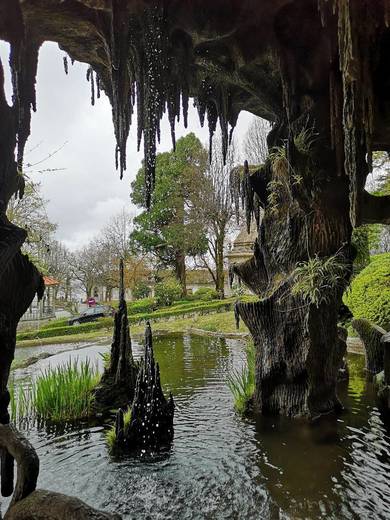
{"points": [[306, 216], [371, 336], [219, 270], [108, 294], [67, 294], [88, 291], [180, 271]]}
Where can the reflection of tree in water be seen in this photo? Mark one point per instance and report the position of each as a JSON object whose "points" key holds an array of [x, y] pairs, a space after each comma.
{"points": [[187, 362], [336, 467]]}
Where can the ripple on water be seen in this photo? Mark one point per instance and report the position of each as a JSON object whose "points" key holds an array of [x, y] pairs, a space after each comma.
{"points": [[221, 467]]}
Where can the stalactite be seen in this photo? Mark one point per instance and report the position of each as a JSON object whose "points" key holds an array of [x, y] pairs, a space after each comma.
{"points": [[151, 71], [91, 79], [184, 99], [65, 60], [351, 92], [98, 86], [247, 196], [235, 190], [24, 62], [119, 89]]}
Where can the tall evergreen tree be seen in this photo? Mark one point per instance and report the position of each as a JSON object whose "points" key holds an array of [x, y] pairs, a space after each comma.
{"points": [[171, 230]]}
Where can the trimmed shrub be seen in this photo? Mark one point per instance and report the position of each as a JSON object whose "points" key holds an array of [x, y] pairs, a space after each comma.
{"points": [[56, 323], [180, 309], [167, 292], [206, 294], [141, 290], [144, 305], [369, 294], [67, 331]]}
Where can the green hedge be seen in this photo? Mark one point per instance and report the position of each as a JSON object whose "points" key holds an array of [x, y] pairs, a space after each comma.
{"points": [[56, 323], [206, 293], [369, 294], [66, 331], [201, 307], [170, 312], [144, 305]]}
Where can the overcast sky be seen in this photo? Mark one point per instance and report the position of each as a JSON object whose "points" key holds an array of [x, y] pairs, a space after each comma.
{"points": [[87, 192]]}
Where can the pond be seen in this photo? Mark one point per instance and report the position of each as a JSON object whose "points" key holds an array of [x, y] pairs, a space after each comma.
{"points": [[221, 466]]}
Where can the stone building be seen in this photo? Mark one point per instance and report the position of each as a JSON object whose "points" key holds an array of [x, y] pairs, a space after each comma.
{"points": [[242, 247]]}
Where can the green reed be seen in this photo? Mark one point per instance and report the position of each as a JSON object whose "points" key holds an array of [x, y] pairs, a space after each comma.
{"points": [[59, 394], [242, 382]]}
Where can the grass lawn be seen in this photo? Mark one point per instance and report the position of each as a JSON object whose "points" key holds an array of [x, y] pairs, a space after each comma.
{"points": [[222, 322]]}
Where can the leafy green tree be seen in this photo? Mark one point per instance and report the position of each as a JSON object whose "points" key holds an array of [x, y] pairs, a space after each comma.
{"points": [[171, 230], [141, 290]]}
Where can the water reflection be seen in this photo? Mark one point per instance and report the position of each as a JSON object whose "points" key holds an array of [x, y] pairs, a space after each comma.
{"points": [[221, 466], [187, 363], [334, 468]]}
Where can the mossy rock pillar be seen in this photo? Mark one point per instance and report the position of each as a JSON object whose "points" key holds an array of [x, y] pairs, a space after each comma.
{"points": [[301, 207], [371, 336], [386, 355], [117, 385], [383, 379], [151, 425]]}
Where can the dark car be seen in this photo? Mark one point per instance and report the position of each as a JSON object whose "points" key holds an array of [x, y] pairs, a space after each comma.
{"points": [[92, 314]]}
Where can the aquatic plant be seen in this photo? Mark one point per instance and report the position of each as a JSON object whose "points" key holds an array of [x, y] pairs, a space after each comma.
{"points": [[111, 436], [106, 358], [19, 403], [242, 382], [63, 393]]}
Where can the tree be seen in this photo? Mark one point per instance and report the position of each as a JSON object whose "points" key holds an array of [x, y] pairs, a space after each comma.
{"points": [[56, 260], [172, 230], [97, 264], [116, 234], [255, 142], [216, 211], [114, 245], [86, 266], [381, 165], [30, 214], [378, 235]]}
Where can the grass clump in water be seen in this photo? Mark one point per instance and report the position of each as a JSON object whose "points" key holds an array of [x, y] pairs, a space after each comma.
{"points": [[60, 394], [242, 382], [111, 434]]}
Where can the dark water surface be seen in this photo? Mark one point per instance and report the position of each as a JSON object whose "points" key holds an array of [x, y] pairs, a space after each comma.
{"points": [[222, 467]]}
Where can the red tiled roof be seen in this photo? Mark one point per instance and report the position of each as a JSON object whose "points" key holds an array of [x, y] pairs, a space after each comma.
{"points": [[50, 281]]}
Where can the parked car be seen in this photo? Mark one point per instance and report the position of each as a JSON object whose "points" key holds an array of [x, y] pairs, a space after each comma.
{"points": [[92, 314]]}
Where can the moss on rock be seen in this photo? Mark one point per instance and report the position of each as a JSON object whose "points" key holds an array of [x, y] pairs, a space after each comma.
{"points": [[369, 294]]}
